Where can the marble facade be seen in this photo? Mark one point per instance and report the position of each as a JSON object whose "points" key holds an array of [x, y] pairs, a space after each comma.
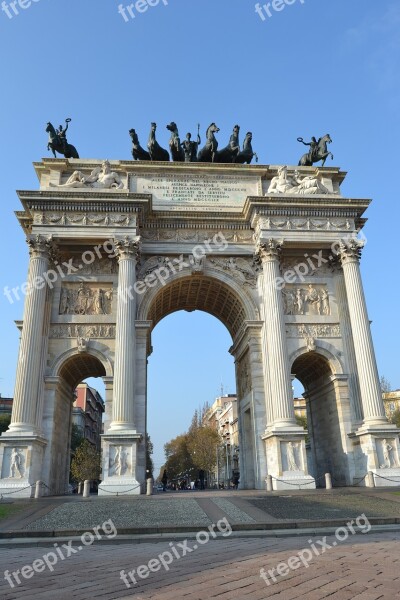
{"points": [[279, 269]]}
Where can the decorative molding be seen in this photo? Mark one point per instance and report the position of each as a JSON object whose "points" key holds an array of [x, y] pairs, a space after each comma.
{"points": [[190, 235]]}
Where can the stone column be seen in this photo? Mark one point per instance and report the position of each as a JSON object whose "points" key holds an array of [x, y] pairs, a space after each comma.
{"points": [[371, 393], [24, 420], [275, 336], [125, 340]]}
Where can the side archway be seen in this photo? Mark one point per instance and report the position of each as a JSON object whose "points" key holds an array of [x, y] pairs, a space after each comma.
{"points": [[328, 413]]}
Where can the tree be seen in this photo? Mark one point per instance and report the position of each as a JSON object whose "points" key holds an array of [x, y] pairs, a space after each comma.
{"points": [[76, 437], [395, 418], [179, 460], [386, 386], [202, 445], [5, 421], [149, 460], [302, 421], [86, 463]]}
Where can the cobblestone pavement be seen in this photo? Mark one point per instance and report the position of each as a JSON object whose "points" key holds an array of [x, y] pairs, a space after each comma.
{"points": [[364, 567], [201, 509]]}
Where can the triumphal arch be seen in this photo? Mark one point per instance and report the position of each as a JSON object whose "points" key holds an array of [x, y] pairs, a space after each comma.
{"points": [[273, 252]]}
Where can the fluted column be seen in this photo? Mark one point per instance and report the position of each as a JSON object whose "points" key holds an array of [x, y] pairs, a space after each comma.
{"points": [[371, 394], [275, 336], [125, 340], [24, 412]]}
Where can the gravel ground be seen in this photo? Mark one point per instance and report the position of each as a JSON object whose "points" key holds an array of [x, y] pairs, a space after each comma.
{"points": [[344, 506], [132, 513], [232, 511]]}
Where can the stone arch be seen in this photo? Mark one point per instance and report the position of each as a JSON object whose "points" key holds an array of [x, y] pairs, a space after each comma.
{"points": [[88, 360], [213, 292], [67, 371], [328, 411]]}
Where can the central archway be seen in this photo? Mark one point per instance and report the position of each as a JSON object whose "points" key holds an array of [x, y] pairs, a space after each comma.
{"points": [[220, 296]]}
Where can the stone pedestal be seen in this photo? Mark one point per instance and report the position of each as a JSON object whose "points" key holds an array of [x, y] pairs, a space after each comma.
{"points": [[287, 460], [120, 471], [21, 465], [379, 453]]}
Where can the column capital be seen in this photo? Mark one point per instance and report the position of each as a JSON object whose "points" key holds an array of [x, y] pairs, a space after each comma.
{"points": [[269, 250], [350, 251], [40, 246], [127, 248]]}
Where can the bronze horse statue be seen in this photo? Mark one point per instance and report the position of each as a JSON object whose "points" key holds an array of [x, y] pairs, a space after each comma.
{"points": [[231, 151], [247, 154], [155, 150], [58, 144], [207, 153], [138, 152], [318, 151], [175, 147]]}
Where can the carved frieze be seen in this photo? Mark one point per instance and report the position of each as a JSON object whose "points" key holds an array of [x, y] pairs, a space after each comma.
{"points": [[90, 265], [308, 224], [244, 376], [313, 330], [244, 270], [313, 300], [82, 332], [84, 219], [190, 235], [85, 299]]}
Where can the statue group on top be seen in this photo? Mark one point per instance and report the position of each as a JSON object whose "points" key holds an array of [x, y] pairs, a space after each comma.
{"points": [[188, 150]]}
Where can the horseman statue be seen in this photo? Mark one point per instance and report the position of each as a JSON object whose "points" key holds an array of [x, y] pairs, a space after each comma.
{"points": [[58, 141], [318, 151]]}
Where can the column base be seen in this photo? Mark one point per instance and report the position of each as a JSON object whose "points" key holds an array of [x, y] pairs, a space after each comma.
{"points": [[21, 460], [387, 477], [378, 450], [286, 458], [123, 473]]}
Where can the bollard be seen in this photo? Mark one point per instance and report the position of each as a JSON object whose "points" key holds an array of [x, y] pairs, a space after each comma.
{"points": [[269, 483], [38, 489], [86, 489], [80, 487], [149, 491], [328, 481], [370, 482]]}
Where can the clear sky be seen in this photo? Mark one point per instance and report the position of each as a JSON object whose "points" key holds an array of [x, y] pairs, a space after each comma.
{"points": [[316, 66]]}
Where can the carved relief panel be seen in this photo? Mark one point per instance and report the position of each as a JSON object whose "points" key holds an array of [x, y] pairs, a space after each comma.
{"points": [[306, 300], [85, 299]]}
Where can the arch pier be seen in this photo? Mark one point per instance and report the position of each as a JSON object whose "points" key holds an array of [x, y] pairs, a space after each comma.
{"points": [[279, 270]]}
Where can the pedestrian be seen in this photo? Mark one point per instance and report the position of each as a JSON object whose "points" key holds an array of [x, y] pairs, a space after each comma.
{"points": [[164, 480], [202, 476]]}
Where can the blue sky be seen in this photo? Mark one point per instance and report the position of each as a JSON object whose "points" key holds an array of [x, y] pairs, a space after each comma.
{"points": [[315, 67]]}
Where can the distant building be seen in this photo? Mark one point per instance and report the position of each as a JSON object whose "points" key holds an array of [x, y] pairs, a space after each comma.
{"points": [[300, 409], [223, 416], [391, 401], [5, 405], [87, 413]]}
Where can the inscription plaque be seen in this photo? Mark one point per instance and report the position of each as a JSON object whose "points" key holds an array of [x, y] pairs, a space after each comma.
{"points": [[195, 192]]}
